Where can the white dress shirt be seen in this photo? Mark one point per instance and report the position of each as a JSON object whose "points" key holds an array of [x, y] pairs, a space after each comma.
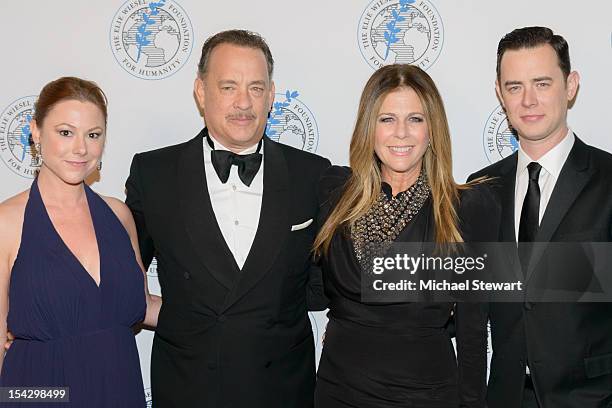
{"points": [[236, 206], [552, 163]]}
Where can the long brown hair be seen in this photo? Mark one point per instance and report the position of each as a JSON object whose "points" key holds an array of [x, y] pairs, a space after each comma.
{"points": [[364, 185]]}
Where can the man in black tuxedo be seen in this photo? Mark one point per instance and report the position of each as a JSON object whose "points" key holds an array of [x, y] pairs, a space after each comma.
{"points": [[229, 217], [555, 188]]}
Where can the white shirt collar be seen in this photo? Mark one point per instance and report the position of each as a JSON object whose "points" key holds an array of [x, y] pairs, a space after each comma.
{"points": [[553, 161], [220, 146]]}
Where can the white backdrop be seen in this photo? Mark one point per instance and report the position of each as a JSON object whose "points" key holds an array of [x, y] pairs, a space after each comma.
{"points": [[324, 53]]}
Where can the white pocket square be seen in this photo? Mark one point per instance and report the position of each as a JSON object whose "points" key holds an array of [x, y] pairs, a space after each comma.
{"points": [[301, 226]]}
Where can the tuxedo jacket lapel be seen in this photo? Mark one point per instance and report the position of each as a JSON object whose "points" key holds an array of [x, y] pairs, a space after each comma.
{"points": [[200, 221], [573, 178], [273, 225], [507, 181]]}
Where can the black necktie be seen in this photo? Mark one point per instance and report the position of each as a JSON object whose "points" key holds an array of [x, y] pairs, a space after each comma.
{"points": [[530, 221], [223, 160]]}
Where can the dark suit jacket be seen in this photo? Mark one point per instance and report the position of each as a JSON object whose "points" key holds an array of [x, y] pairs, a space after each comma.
{"points": [[568, 345], [228, 337]]}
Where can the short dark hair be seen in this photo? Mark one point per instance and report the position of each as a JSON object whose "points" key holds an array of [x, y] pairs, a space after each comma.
{"points": [[242, 38], [68, 88], [531, 37]]}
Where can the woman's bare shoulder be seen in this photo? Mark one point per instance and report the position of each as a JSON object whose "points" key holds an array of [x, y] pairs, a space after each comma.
{"points": [[11, 220], [12, 209], [121, 211]]}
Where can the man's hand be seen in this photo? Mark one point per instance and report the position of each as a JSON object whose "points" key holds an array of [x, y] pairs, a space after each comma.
{"points": [[9, 340]]}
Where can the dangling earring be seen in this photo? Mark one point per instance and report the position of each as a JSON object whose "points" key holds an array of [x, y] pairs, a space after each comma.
{"points": [[37, 156], [99, 166]]}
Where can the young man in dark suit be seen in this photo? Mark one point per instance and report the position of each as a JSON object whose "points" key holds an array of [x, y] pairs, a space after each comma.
{"points": [[229, 217], [555, 188]]}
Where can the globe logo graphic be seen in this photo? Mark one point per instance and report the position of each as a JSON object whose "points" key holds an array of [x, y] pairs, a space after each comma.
{"points": [[19, 136], [151, 40], [152, 271], [292, 123], [401, 31], [414, 36], [15, 145], [162, 42], [499, 138], [507, 143]]}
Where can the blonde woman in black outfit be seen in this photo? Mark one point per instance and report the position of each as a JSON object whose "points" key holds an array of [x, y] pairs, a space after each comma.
{"points": [[398, 354]]}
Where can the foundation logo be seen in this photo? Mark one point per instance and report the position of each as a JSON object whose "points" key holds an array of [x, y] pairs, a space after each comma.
{"points": [[152, 271], [499, 139], [15, 144], [292, 123], [151, 39], [400, 31]]}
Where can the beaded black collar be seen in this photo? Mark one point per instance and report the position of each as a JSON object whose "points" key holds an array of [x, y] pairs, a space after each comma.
{"points": [[375, 231]]}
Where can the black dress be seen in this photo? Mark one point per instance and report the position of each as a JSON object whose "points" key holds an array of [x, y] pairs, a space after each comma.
{"points": [[400, 354]]}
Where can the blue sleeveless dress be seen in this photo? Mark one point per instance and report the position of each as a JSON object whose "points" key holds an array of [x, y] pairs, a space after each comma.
{"points": [[70, 332]]}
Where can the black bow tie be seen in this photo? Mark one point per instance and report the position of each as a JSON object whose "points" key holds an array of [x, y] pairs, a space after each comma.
{"points": [[223, 160]]}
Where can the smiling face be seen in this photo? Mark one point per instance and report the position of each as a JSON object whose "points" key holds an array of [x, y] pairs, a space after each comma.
{"points": [[535, 95], [401, 138], [71, 140], [235, 95]]}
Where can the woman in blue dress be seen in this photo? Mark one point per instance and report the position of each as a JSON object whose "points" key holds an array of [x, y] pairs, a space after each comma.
{"points": [[71, 280]]}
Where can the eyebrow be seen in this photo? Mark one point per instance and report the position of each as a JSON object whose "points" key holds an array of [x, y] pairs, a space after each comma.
{"points": [[507, 83], [393, 114], [65, 124], [74, 127], [232, 82], [538, 79]]}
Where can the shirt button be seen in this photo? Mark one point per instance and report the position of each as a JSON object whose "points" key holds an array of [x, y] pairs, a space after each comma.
{"points": [[222, 318], [234, 187], [236, 222]]}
